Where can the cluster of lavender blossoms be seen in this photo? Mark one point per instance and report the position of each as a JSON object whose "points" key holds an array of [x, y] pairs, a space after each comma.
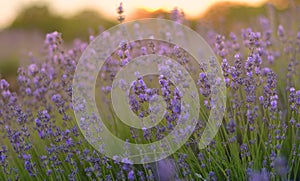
{"points": [[259, 137]]}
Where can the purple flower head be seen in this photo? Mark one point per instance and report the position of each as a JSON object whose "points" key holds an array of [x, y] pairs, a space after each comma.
{"points": [[261, 99], [166, 169], [292, 89], [26, 157], [292, 121], [280, 165], [32, 69], [28, 91], [120, 9], [6, 94], [2, 158], [298, 35], [4, 84], [260, 176], [266, 71], [202, 75], [231, 126], [144, 50], [45, 114], [126, 161], [131, 175], [41, 134], [51, 38], [274, 104], [38, 122], [212, 175], [280, 31], [56, 98]]}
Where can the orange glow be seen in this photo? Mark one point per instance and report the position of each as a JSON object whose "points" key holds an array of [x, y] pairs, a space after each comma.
{"points": [[192, 8], [151, 10]]}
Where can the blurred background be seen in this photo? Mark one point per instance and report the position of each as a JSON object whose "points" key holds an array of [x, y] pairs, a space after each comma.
{"points": [[24, 23]]}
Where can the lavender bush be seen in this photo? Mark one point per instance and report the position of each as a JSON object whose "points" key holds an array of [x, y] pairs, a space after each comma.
{"points": [[258, 139]]}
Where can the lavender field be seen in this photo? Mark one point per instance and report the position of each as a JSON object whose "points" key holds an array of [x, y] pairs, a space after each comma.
{"points": [[258, 138]]}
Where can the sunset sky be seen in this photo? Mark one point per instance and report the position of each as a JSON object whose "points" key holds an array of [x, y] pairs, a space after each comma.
{"points": [[10, 8]]}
